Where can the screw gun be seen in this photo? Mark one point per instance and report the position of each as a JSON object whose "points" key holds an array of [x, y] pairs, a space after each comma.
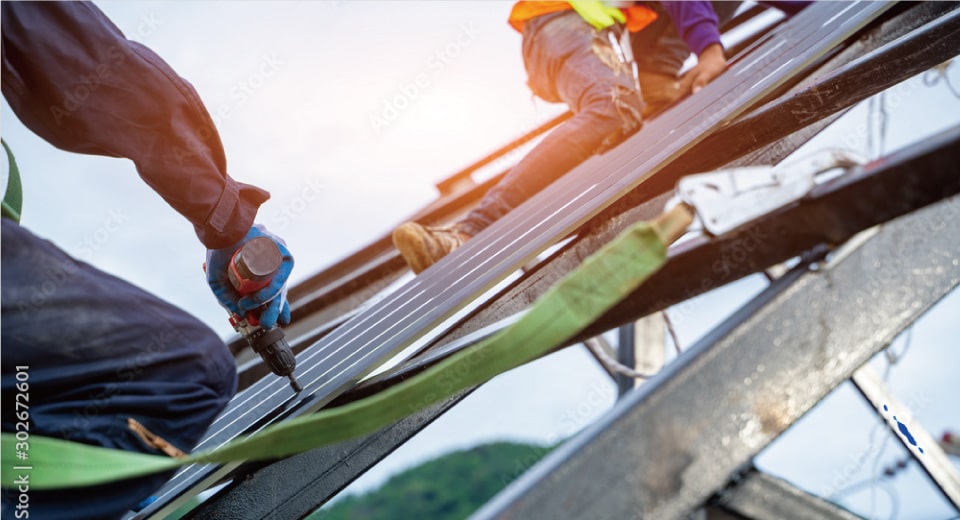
{"points": [[250, 269]]}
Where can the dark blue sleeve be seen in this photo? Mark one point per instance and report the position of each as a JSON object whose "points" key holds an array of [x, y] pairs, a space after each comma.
{"points": [[696, 23], [73, 78]]}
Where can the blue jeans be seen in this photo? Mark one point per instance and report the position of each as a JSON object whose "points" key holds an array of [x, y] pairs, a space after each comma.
{"points": [[566, 60], [97, 351]]}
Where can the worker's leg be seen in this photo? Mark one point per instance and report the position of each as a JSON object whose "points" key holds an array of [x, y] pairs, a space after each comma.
{"points": [[660, 54], [97, 352], [566, 60]]}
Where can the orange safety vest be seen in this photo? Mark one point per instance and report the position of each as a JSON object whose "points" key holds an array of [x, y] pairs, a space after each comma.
{"points": [[638, 16]]}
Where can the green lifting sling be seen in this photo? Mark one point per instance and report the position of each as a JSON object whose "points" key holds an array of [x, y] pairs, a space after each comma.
{"points": [[604, 279], [13, 198]]}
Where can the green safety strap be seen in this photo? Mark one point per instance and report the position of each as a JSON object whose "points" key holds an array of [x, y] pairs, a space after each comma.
{"points": [[13, 198], [581, 297], [598, 14]]}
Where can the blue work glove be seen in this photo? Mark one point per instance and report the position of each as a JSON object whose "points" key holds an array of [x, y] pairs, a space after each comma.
{"points": [[273, 297]]}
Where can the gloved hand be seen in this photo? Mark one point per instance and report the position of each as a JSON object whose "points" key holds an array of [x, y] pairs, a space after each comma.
{"points": [[598, 14], [273, 297]]}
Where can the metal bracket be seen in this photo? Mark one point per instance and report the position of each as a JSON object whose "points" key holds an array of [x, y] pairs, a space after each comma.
{"points": [[727, 199]]}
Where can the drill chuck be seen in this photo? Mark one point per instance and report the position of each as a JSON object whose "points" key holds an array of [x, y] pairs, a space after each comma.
{"points": [[276, 353]]}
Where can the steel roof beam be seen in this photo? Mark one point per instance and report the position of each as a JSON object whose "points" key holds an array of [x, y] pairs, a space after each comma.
{"points": [[759, 496], [726, 398]]}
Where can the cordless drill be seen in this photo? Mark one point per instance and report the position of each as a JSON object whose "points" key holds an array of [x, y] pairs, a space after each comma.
{"points": [[250, 269]]}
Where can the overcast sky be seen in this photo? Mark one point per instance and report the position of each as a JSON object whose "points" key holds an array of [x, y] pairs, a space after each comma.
{"points": [[348, 112]]}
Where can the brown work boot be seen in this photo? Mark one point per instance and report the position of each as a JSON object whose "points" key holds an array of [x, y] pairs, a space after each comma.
{"points": [[658, 91], [422, 246]]}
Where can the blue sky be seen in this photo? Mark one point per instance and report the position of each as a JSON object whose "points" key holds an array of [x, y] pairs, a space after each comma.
{"points": [[348, 112]]}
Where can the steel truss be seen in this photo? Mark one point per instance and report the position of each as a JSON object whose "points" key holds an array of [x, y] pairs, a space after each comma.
{"points": [[690, 471]]}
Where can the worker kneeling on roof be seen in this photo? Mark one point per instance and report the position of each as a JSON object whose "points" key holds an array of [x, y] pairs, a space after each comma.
{"points": [[104, 362]]}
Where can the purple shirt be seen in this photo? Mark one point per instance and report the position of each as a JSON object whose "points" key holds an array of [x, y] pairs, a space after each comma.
{"points": [[697, 23]]}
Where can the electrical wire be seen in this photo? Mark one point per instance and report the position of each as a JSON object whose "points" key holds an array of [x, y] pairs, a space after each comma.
{"points": [[884, 124], [672, 331], [892, 357], [890, 492], [871, 110], [938, 73], [875, 479], [612, 364], [874, 483], [877, 116]]}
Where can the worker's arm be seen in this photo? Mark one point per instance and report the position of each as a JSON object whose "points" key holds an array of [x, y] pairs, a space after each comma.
{"points": [[73, 78], [697, 24]]}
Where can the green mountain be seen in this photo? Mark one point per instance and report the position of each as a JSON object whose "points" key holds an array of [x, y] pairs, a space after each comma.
{"points": [[449, 487]]}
